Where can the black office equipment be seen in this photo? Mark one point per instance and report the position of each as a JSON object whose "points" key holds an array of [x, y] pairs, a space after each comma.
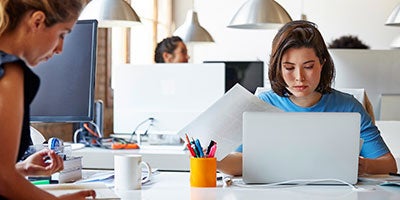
{"points": [[249, 74], [66, 92]]}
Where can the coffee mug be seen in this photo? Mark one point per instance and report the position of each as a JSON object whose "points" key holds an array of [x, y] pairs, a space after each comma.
{"points": [[128, 172]]}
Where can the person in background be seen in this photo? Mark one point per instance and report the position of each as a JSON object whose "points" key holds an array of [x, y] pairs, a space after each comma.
{"points": [[31, 31], [347, 42], [352, 42], [301, 72], [171, 50]]}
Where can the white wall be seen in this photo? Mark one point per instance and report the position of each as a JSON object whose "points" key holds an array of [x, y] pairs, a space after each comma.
{"points": [[364, 18], [377, 71]]}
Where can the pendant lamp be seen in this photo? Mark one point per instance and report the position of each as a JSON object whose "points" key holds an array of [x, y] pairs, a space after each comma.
{"points": [[192, 31], [394, 18], [303, 16], [260, 14], [110, 13]]}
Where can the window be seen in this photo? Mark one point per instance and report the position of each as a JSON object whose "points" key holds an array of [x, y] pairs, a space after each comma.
{"points": [[136, 45]]}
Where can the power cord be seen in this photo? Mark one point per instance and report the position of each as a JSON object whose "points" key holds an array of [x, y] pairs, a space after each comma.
{"points": [[295, 182], [76, 133], [151, 120], [86, 126], [87, 135], [101, 135]]}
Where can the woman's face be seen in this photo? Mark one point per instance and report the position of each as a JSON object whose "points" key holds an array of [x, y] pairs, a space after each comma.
{"points": [[179, 55], [47, 41], [301, 71]]}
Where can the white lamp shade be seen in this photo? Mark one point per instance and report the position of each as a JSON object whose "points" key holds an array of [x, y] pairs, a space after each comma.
{"points": [[110, 13], [260, 14], [192, 31], [394, 18]]}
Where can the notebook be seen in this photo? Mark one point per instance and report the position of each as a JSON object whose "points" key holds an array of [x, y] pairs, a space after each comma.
{"points": [[290, 146]]}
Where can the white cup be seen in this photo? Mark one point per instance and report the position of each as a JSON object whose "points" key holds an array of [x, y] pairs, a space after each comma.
{"points": [[128, 172]]}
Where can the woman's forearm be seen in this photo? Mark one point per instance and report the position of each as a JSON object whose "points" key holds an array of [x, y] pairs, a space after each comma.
{"points": [[231, 164], [382, 165]]}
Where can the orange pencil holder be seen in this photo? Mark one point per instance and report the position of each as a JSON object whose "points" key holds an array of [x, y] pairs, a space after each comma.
{"points": [[203, 172]]}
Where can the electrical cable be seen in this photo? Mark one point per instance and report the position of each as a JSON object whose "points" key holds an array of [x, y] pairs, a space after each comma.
{"points": [[97, 129], [94, 138], [76, 134], [295, 182], [151, 119], [85, 125]]}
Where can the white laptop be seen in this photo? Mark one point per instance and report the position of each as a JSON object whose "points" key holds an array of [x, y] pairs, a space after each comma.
{"points": [[291, 146]]}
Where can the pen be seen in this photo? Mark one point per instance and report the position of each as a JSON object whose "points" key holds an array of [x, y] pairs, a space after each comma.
{"points": [[192, 153], [190, 147], [192, 142], [209, 146], [199, 148], [212, 151], [195, 150], [187, 138]]}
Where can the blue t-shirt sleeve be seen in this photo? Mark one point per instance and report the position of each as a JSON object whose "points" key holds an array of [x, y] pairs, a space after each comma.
{"points": [[239, 149], [373, 146]]}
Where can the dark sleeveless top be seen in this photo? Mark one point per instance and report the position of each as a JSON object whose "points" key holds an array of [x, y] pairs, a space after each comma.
{"points": [[31, 86]]}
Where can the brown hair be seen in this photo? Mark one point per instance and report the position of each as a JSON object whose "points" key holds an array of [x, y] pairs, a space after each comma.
{"points": [[348, 42], [12, 11], [298, 34], [168, 45]]}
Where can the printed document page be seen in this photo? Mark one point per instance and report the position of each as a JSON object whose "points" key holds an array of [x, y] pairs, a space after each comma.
{"points": [[222, 121], [102, 191]]}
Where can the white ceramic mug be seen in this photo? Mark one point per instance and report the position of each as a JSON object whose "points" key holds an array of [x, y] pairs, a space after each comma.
{"points": [[128, 172]]}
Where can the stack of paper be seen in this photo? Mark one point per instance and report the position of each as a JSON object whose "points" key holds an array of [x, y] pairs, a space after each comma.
{"points": [[222, 121], [72, 171]]}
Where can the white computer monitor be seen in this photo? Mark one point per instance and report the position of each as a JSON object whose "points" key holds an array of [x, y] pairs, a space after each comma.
{"points": [[172, 94]]}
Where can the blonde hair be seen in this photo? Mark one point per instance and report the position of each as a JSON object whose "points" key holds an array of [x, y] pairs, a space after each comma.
{"points": [[12, 11], [3, 16]]}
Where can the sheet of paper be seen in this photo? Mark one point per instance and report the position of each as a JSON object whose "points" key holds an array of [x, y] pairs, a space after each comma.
{"points": [[222, 121], [102, 191], [107, 177]]}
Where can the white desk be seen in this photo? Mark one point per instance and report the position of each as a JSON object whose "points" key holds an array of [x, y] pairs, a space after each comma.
{"points": [[175, 185], [390, 131], [162, 158]]}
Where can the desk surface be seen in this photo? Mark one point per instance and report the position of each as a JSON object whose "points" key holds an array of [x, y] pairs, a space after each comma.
{"points": [[175, 185]]}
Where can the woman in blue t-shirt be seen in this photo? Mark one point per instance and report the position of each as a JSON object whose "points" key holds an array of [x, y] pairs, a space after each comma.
{"points": [[301, 72]]}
